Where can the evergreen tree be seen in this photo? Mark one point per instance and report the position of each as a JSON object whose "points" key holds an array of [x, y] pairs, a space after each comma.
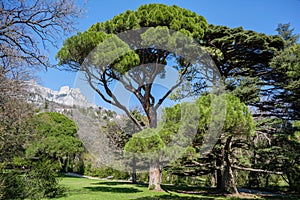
{"points": [[113, 63], [238, 127], [287, 34], [55, 140], [242, 57], [272, 145]]}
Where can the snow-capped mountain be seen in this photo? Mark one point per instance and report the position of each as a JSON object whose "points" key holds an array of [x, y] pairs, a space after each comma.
{"points": [[65, 96]]}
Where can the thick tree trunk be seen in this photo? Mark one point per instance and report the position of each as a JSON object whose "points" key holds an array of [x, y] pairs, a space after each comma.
{"points": [[154, 171], [154, 176], [225, 177], [228, 183]]}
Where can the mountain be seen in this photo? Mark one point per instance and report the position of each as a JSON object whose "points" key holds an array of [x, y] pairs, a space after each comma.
{"points": [[91, 120], [66, 96]]}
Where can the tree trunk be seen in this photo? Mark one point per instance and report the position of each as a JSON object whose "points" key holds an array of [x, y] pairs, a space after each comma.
{"points": [[253, 177], [154, 176], [228, 183], [213, 182], [220, 167], [254, 181], [154, 171], [267, 181], [133, 170], [219, 174]]}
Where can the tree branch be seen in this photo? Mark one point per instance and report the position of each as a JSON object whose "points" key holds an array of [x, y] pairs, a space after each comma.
{"points": [[256, 170]]}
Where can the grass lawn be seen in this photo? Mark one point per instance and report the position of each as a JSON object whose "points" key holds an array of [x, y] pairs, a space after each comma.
{"points": [[87, 189]]}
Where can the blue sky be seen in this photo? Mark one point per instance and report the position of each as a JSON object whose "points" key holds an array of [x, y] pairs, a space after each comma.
{"points": [[258, 15]]}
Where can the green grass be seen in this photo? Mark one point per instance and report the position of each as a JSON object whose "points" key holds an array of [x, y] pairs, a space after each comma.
{"points": [[87, 189]]}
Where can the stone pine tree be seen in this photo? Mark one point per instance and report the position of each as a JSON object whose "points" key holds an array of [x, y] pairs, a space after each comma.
{"points": [[73, 54], [167, 142]]}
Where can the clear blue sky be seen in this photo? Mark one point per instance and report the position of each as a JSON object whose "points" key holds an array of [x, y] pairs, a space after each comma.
{"points": [[258, 15]]}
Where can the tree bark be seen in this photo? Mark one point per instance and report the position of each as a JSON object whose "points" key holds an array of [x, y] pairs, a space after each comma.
{"points": [[228, 183], [154, 176], [220, 167], [154, 171], [213, 182], [133, 170]]}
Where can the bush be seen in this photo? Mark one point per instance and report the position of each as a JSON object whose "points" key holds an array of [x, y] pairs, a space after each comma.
{"points": [[39, 181], [43, 180], [12, 185], [104, 172], [142, 177]]}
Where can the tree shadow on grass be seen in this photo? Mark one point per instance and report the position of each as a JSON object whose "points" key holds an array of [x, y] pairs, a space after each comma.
{"points": [[173, 197], [190, 189], [113, 189], [113, 183]]}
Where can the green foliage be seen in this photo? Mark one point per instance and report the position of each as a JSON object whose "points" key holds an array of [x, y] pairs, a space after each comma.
{"points": [[43, 180], [286, 92], [146, 141], [36, 180], [77, 48], [13, 186], [173, 134], [104, 172], [55, 124], [33, 171], [242, 57], [234, 124], [153, 15], [286, 33], [238, 119], [55, 140]]}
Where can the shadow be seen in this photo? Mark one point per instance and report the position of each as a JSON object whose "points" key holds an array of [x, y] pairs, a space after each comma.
{"points": [[114, 183], [213, 193], [190, 189], [280, 198], [174, 197], [113, 189]]}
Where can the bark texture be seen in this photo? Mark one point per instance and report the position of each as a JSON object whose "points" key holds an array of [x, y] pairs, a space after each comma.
{"points": [[154, 176]]}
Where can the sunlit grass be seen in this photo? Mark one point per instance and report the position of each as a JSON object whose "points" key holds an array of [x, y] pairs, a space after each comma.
{"points": [[87, 189]]}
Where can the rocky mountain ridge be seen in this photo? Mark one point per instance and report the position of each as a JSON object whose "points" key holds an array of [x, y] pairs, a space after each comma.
{"points": [[66, 96]]}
